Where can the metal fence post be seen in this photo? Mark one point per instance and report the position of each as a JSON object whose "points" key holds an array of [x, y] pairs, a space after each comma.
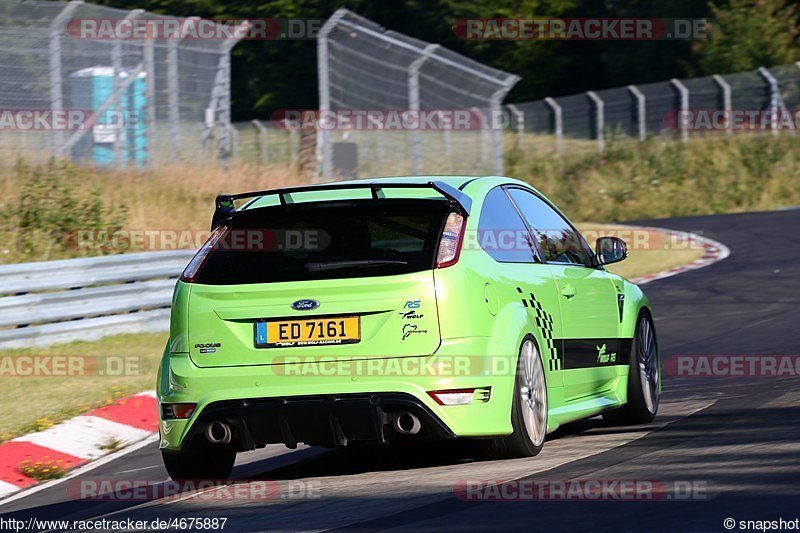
{"points": [[324, 81], [599, 118], [234, 141], [173, 92], [726, 101], [558, 122], [448, 138], [262, 140], [497, 122], [484, 134], [378, 139], [150, 95], [56, 87], [220, 104], [519, 118], [294, 156], [116, 66], [641, 117], [684, 92], [413, 103], [776, 104]]}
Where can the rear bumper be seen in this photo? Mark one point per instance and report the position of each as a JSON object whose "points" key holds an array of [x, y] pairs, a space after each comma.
{"points": [[328, 419], [262, 400]]}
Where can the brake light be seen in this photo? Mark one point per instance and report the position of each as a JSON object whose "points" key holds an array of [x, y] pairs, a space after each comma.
{"points": [[450, 243], [452, 397], [193, 268]]}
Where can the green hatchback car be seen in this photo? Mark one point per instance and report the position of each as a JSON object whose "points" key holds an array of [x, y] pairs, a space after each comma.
{"points": [[398, 309]]}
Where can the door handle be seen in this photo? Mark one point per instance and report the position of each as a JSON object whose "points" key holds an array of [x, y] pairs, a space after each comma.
{"points": [[568, 292]]}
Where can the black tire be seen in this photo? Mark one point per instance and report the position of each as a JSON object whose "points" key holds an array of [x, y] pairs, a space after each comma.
{"points": [[207, 462], [519, 443], [644, 358]]}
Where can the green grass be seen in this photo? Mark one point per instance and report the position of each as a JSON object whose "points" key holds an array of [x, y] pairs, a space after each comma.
{"points": [[666, 178], [35, 403]]}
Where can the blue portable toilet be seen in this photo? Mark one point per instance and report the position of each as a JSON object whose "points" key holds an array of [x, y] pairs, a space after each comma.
{"points": [[125, 123]]}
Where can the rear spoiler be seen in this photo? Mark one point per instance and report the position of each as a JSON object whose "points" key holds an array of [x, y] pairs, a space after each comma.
{"points": [[225, 208]]}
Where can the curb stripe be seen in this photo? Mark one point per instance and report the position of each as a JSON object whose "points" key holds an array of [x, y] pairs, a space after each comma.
{"points": [[87, 437], [136, 411], [7, 488], [14, 452]]}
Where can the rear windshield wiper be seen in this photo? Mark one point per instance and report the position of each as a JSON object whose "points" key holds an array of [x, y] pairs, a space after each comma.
{"points": [[334, 265]]}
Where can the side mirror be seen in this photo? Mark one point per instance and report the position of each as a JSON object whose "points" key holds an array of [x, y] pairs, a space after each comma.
{"points": [[611, 250]]}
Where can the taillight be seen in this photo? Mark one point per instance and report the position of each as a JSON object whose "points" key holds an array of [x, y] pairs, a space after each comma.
{"points": [[193, 268], [179, 411], [450, 243]]}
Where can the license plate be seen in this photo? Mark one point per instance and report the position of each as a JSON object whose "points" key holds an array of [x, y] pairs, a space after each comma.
{"points": [[308, 332]]}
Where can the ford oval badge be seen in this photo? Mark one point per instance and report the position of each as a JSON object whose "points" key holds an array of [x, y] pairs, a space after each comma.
{"points": [[305, 305]]}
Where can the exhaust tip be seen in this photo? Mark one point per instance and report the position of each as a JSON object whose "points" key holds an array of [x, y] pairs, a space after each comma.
{"points": [[406, 424], [218, 433]]}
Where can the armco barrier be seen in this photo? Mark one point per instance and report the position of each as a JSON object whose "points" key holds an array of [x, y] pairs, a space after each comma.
{"points": [[85, 299]]}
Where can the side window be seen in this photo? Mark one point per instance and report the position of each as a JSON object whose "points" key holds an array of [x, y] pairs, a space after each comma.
{"points": [[501, 232], [557, 240]]}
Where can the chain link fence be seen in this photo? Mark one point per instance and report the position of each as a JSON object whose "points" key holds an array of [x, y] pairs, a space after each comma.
{"points": [[76, 82], [763, 99], [363, 66]]}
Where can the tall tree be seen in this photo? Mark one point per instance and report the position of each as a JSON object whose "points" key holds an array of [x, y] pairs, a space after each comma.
{"points": [[747, 34]]}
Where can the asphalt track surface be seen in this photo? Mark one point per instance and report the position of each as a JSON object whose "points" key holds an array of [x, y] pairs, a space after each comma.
{"points": [[736, 439]]}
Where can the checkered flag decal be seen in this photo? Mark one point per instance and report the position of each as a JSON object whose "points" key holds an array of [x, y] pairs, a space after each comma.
{"points": [[544, 321]]}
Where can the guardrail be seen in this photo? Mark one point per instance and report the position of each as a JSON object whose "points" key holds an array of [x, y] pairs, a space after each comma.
{"points": [[85, 299]]}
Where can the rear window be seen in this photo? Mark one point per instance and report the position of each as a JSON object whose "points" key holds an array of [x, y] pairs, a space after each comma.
{"points": [[326, 241]]}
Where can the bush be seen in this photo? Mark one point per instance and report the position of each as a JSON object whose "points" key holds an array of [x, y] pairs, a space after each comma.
{"points": [[54, 202], [666, 178]]}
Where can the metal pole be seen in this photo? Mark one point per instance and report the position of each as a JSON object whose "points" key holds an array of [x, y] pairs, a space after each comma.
{"points": [[294, 156], [235, 141], [324, 80], [600, 118], [559, 124], [173, 91], [413, 103], [173, 98], [116, 65], [641, 117], [520, 120], [726, 101], [497, 122], [56, 87], [262, 140], [484, 135], [150, 95], [776, 104], [377, 133], [684, 92], [225, 96]]}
